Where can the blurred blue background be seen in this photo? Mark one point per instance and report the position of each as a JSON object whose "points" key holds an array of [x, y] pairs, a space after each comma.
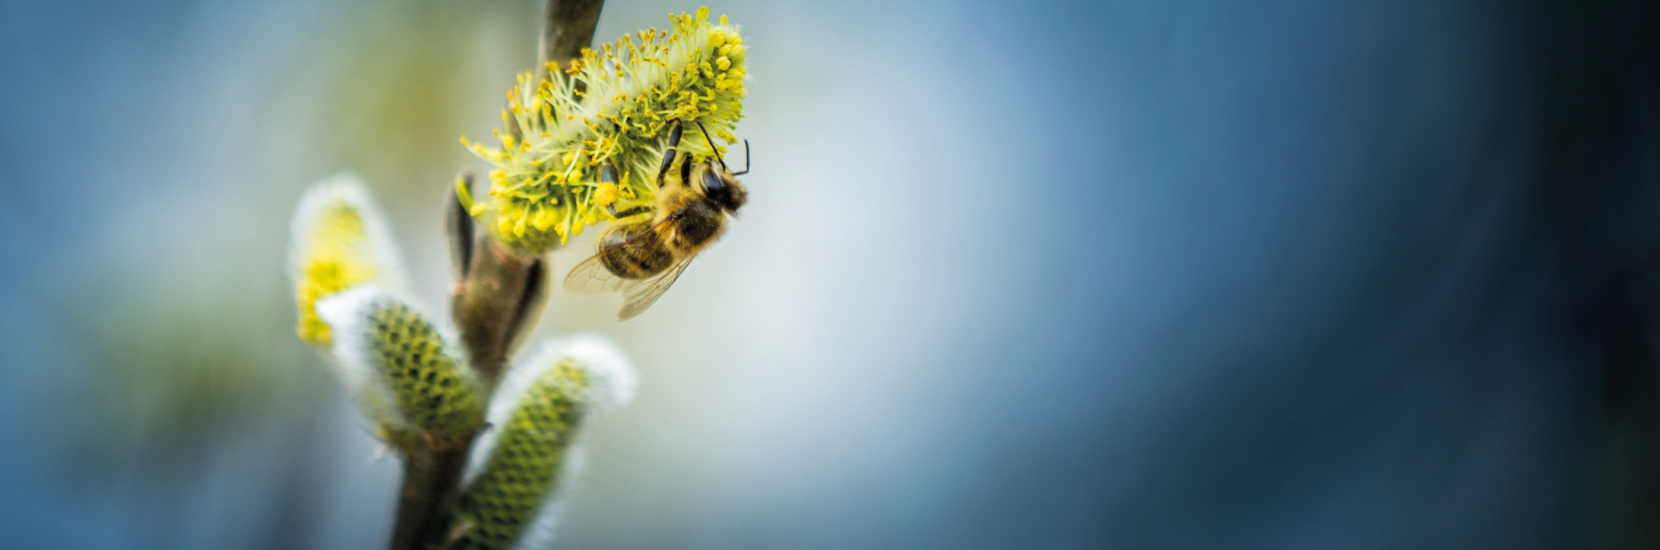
{"points": [[1125, 274]]}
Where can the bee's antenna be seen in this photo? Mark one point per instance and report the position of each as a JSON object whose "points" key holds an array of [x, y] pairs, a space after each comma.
{"points": [[712, 148], [746, 160]]}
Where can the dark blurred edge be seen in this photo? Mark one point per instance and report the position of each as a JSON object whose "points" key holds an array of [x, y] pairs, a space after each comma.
{"points": [[1605, 85]]}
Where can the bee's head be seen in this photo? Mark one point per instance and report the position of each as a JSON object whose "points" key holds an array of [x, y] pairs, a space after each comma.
{"points": [[722, 188], [719, 183]]}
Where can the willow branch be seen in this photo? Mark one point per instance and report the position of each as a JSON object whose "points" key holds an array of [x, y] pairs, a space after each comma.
{"points": [[567, 28], [498, 296]]}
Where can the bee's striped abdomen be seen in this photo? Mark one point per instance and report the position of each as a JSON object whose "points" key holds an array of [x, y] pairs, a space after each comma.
{"points": [[631, 257]]}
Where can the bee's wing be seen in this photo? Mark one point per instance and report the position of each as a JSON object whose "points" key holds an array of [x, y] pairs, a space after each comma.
{"points": [[591, 277], [639, 294]]}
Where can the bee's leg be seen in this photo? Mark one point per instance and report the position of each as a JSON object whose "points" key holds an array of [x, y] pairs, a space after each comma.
{"points": [[668, 156], [686, 170], [608, 173], [668, 160], [612, 209]]}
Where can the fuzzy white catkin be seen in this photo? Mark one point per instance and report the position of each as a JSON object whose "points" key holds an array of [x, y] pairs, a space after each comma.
{"points": [[343, 312], [345, 188], [339, 240], [400, 365], [514, 500], [612, 384]]}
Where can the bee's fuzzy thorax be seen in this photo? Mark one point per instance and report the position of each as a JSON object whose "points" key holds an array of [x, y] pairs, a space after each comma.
{"points": [[615, 104]]}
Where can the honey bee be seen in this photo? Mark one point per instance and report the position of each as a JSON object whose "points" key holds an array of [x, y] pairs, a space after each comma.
{"points": [[643, 259]]}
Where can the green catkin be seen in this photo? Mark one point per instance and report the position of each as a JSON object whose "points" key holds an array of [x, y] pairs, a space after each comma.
{"points": [[524, 466], [340, 245], [434, 391]]}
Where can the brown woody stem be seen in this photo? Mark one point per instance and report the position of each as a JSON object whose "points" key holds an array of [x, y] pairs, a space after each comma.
{"points": [[498, 297], [430, 481], [491, 300], [567, 28]]}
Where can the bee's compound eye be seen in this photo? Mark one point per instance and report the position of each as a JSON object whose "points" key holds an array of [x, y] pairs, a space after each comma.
{"points": [[723, 191], [712, 184]]}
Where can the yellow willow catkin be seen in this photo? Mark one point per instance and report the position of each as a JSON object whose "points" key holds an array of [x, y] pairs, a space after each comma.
{"points": [[615, 104], [339, 241]]}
